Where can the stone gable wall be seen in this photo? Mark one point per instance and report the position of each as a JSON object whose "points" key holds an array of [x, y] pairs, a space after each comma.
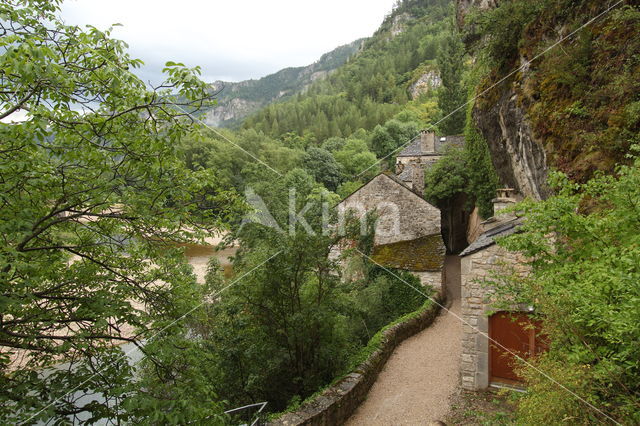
{"points": [[403, 215], [476, 304]]}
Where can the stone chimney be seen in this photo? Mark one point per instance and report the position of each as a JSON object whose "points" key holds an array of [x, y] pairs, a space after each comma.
{"points": [[417, 178], [428, 141], [505, 197]]}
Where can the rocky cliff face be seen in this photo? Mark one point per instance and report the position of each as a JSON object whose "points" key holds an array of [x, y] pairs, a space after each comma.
{"points": [[518, 158], [427, 82], [230, 111], [574, 107]]}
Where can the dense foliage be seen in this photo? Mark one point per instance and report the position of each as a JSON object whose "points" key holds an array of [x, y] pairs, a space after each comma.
{"points": [[582, 96], [584, 284], [90, 183], [291, 327]]}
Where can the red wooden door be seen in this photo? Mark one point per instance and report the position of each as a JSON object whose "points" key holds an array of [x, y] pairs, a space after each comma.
{"points": [[515, 333]]}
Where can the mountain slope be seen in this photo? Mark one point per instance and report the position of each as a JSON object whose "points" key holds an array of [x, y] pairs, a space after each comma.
{"points": [[371, 87], [238, 100]]}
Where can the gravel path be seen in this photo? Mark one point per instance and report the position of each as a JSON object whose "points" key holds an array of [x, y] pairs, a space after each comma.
{"points": [[415, 385]]}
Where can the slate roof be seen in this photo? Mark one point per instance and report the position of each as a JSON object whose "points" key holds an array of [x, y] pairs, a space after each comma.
{"points": [[406, 175], [456, 140], [487, 238], [414, 149]]}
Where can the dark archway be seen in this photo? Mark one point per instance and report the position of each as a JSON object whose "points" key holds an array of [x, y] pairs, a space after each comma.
{"points": [[454, 224]]}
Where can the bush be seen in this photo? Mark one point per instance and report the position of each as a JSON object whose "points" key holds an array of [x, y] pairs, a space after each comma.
{"points": [[584, 282]]}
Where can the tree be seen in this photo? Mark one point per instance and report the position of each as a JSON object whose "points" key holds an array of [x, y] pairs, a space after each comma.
{"points": [[292, 327], [92, 196], [385, 139], [447, 178], [482, 178], [356, 160], [323, 167], [452, 95], [333, 144]]}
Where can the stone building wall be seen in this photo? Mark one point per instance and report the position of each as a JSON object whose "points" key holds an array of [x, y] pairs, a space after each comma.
{"points": [[474, 227], [424, 161], [476, 304], [431, 279], [403, 215]]}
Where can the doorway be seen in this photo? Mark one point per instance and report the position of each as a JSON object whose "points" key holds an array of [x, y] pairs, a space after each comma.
{"points": [[515, 333]]}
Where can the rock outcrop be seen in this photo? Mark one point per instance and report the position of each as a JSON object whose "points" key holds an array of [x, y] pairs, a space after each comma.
{"points": [[552, 97], [230, 111], [399, 24], [427, 82], [463, 6], [518, 158]]}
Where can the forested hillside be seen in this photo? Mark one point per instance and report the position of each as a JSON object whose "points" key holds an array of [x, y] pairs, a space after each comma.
{"points": [[234, 101], [373, 86]]}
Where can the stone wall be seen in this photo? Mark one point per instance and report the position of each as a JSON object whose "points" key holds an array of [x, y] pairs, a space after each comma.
{"points": [[336, 404], [474, 227], [433, 279], [403, 215], [476, 304]]}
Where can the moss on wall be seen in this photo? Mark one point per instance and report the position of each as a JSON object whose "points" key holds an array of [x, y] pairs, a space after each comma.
{"points": [[582, 97], [422, 254]]}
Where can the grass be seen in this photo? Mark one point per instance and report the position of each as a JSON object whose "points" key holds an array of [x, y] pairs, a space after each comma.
{"points": [[484, 408]]}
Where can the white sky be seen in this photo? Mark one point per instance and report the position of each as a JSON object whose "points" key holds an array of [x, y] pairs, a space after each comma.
{"points": [[231, 40]]}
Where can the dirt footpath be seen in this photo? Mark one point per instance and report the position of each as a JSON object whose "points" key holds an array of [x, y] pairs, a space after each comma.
{"points": [[423, 372]]}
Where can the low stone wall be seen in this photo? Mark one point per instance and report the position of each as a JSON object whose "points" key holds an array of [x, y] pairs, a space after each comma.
{"points": [[336, 404]]}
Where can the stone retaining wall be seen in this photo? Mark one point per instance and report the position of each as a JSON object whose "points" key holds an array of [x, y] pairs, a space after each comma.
{"points": [[336, 404]]}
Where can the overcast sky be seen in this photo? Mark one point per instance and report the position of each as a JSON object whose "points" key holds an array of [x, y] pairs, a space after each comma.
{"points": [[231, 40]]}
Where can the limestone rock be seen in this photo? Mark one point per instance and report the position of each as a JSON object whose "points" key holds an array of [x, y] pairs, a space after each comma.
{"points": [[398, 24], [463, 6], [518, 158], [427, 82]]}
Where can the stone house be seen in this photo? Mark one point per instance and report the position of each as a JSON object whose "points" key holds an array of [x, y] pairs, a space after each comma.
{"points": [[491, 338], [423, 152], [407, 232]]}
